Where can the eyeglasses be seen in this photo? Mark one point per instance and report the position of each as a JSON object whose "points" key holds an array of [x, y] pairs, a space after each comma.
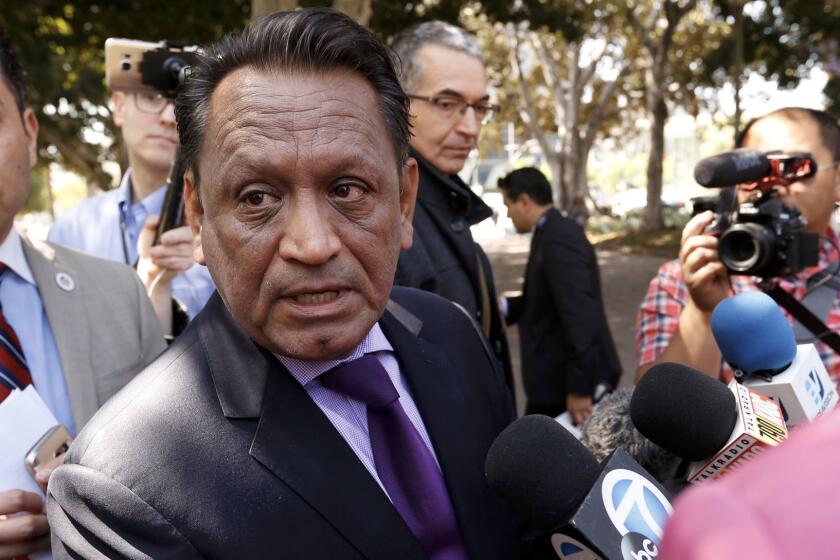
{"points": [[449, 106], [151, 103]]}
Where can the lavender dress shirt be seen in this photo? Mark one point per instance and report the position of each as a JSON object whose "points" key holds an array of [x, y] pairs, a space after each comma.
{"points": [[348, 415]]}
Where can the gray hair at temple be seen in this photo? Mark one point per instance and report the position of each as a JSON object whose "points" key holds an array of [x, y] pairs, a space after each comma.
{"points": [[306, 41], [610, 427], [409, 42]]}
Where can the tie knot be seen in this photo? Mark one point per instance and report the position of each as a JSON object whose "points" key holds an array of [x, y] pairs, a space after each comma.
{"points": [[363, 379]]}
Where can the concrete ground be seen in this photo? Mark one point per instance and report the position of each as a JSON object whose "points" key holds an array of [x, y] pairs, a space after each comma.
{"points": [[624, 281]]}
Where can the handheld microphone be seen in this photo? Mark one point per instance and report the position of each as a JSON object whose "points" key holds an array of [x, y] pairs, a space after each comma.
{"points": [[743, 165], [613, 511], [717, 427], [758, 342]]}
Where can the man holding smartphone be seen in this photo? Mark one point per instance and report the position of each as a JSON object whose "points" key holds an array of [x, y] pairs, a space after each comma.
{"points": [[75, 326], [120, 224]]}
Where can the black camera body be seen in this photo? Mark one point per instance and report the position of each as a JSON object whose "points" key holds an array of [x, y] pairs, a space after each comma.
{"points": [[765, 238]]}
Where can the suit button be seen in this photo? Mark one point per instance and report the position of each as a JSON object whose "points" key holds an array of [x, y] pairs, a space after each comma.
{"points": [[458, 225]]}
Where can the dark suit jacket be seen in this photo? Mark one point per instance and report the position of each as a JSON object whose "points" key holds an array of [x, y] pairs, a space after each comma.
{"points": [[563, 331], [444, 258], [215, 451]]}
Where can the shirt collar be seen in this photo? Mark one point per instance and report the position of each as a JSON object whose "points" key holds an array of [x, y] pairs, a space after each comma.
{"points": [[11, 253], [152, 203], [305, 371]]}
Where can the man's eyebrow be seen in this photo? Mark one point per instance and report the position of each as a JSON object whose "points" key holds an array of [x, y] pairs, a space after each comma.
{"points": [[453, 93]]}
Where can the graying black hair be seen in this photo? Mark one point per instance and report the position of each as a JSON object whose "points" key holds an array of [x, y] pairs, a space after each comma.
{"points": [[826, 123], [408, 43], [610, 427], [308, 41]]}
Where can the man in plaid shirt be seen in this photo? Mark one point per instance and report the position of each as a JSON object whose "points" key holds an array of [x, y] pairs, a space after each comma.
{"points": [[674, 319]]}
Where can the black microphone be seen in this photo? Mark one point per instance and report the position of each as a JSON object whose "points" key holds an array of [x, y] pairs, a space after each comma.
{"points": [[612, 511], [696, 417], [610, 428], [732, 168]]}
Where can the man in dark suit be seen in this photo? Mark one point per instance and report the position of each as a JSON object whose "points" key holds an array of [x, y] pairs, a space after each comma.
{"points": [[567, 349], [442, 70], [302, 414]]}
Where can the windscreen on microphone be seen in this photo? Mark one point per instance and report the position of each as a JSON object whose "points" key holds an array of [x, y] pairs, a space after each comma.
{"points": [[753, 334], [732, 168], [541, 470], [684, 411]]}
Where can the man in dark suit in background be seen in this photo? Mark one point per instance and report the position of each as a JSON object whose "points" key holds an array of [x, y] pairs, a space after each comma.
{"points": [[441, 67], [567, 349], [302, 414]]}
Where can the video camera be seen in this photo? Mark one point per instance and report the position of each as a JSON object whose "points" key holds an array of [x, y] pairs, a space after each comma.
{"points": [[761, 237], [154, 68]]}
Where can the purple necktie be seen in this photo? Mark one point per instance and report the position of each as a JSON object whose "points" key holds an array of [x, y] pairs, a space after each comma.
{"points": [[405, 465]]}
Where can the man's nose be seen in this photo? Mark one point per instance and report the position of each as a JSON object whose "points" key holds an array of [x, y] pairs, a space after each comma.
{"points": [[309, 236], [469, 124], [167, 115]]}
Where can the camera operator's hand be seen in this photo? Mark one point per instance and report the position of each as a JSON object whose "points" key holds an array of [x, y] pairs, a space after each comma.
{"points": [[23, 524], [704, 274], [159, 264]]}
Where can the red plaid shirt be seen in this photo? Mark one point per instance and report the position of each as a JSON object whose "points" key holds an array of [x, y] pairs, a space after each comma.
{"points": [[667, 295]]}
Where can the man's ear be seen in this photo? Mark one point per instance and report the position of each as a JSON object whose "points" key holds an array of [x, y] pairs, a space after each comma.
{"points": [[30, 128], [195, 214], [837, 184], [408, 198], [119, 100]]}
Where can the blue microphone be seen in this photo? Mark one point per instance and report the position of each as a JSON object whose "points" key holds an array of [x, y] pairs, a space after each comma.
{"points": [[753, 334], [756, 339]]}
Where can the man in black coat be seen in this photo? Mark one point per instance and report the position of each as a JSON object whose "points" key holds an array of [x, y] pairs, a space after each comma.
{"points": [[567, 349], [310, 410], [442, 70]]}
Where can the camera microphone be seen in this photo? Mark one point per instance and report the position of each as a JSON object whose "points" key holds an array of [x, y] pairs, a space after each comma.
{"points": [[755, 338], [743, 165]]}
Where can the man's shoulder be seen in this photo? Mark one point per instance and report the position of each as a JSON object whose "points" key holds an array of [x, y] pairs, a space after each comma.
{"points": [[433, 317], [99, 269], [145, 408], [97, 209]]}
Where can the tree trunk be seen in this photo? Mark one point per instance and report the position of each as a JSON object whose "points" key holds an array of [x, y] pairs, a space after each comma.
{"points": [[653, 212], [738, 64]]}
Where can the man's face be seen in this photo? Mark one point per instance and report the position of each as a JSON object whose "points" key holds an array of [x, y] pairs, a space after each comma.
{"points": [[18, 155], [814, 196], [442, 140], [301, 217], [150, 138], [516, 211]]}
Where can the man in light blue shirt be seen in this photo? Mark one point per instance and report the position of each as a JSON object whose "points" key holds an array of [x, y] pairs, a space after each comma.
{"points": [[119, 224], [81, 327]]}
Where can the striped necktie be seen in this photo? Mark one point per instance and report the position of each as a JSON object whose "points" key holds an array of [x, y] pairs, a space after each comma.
{"points": [[14, 373]]}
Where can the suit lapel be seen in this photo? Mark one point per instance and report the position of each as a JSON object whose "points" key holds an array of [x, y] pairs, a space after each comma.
{"points": [[297, 443], [67, 316], [439, 394]]}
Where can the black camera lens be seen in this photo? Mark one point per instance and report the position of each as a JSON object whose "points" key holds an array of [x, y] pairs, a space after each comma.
{"points": [[746, 248]]}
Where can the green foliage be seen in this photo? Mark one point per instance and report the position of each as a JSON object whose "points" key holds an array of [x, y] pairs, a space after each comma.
{"points": [[62, 48]]}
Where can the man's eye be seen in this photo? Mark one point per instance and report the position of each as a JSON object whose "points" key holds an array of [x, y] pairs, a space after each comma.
{"points": [[447, 104], [347, 191], [254, 198]]}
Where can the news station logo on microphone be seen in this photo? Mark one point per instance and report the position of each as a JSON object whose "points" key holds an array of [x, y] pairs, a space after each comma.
{"points": [[569, 548], [638, 510]]}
